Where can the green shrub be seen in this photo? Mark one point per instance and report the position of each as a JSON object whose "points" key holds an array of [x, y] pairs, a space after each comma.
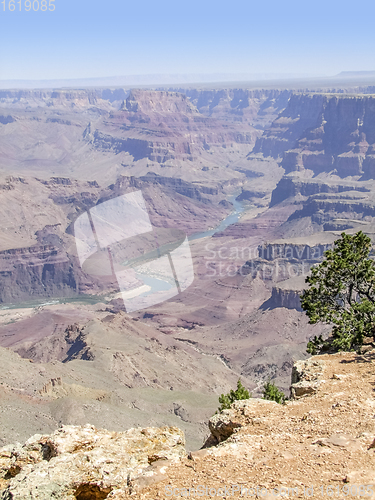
{"points": [[226, 400], [272, 393]]}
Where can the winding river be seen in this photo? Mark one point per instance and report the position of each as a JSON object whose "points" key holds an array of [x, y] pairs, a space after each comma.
{"points": [[156, 284], [153, 284]]}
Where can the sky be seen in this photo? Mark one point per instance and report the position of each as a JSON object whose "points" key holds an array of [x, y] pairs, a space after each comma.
{"points": [[93, 38]]}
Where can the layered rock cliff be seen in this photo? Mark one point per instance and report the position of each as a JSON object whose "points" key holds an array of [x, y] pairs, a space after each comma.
{"points": [[297, 187], [322, 133], [284, 297], [162, 126], [256, 107], [326, 145], [39, 271]]}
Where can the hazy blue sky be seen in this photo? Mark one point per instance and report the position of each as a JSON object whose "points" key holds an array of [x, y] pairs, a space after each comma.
{"points": [[91, 38]]}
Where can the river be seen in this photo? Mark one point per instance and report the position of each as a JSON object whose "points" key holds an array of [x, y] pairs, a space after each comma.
{"points": [[153, 284], [156, 284]]}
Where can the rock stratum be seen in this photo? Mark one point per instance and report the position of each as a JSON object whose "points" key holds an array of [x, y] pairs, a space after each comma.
{"points": [[321, 442], [325, 144], [98, 133], [324, 132]]}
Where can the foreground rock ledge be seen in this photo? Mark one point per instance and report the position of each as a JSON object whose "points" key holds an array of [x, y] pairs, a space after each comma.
{"points": [[87, 463], [323, 438]]}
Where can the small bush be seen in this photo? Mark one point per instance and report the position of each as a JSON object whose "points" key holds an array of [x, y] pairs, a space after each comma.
{"points": [[226, 400], [273, 393]]}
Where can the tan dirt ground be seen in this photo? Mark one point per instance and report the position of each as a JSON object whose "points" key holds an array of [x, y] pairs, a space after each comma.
{"points": [[318, 445]]}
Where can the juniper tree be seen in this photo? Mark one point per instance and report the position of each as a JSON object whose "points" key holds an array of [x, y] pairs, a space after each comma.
{"points": [[342, 293]]}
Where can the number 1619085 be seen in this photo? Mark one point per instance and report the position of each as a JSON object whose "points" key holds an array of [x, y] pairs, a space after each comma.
{"points": [[28, 5]]}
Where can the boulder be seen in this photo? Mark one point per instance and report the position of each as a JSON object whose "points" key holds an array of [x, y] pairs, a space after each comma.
{"points": [[242, 412], [306, 377]]}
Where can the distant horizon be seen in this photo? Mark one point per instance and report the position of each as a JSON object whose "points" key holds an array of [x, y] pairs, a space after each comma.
{"points": [[153, 80], [67, 40]]}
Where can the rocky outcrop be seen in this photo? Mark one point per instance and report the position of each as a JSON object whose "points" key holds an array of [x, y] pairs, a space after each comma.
{"points": [[242, 413], [282, 297], [38, 271], [291, 187], [102, 464], [306, 377]]}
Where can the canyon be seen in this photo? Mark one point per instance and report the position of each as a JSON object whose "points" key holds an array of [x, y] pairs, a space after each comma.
{"points": [[299, 164]]}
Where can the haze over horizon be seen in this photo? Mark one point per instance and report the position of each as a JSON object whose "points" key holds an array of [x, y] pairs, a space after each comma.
{"points": [[97, 40]]}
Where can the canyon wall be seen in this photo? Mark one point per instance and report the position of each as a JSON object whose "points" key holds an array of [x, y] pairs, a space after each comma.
{"points": [[162, 126], [326, 145], [39, 271], [291, 186], [324, 133], [257, 107]]}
